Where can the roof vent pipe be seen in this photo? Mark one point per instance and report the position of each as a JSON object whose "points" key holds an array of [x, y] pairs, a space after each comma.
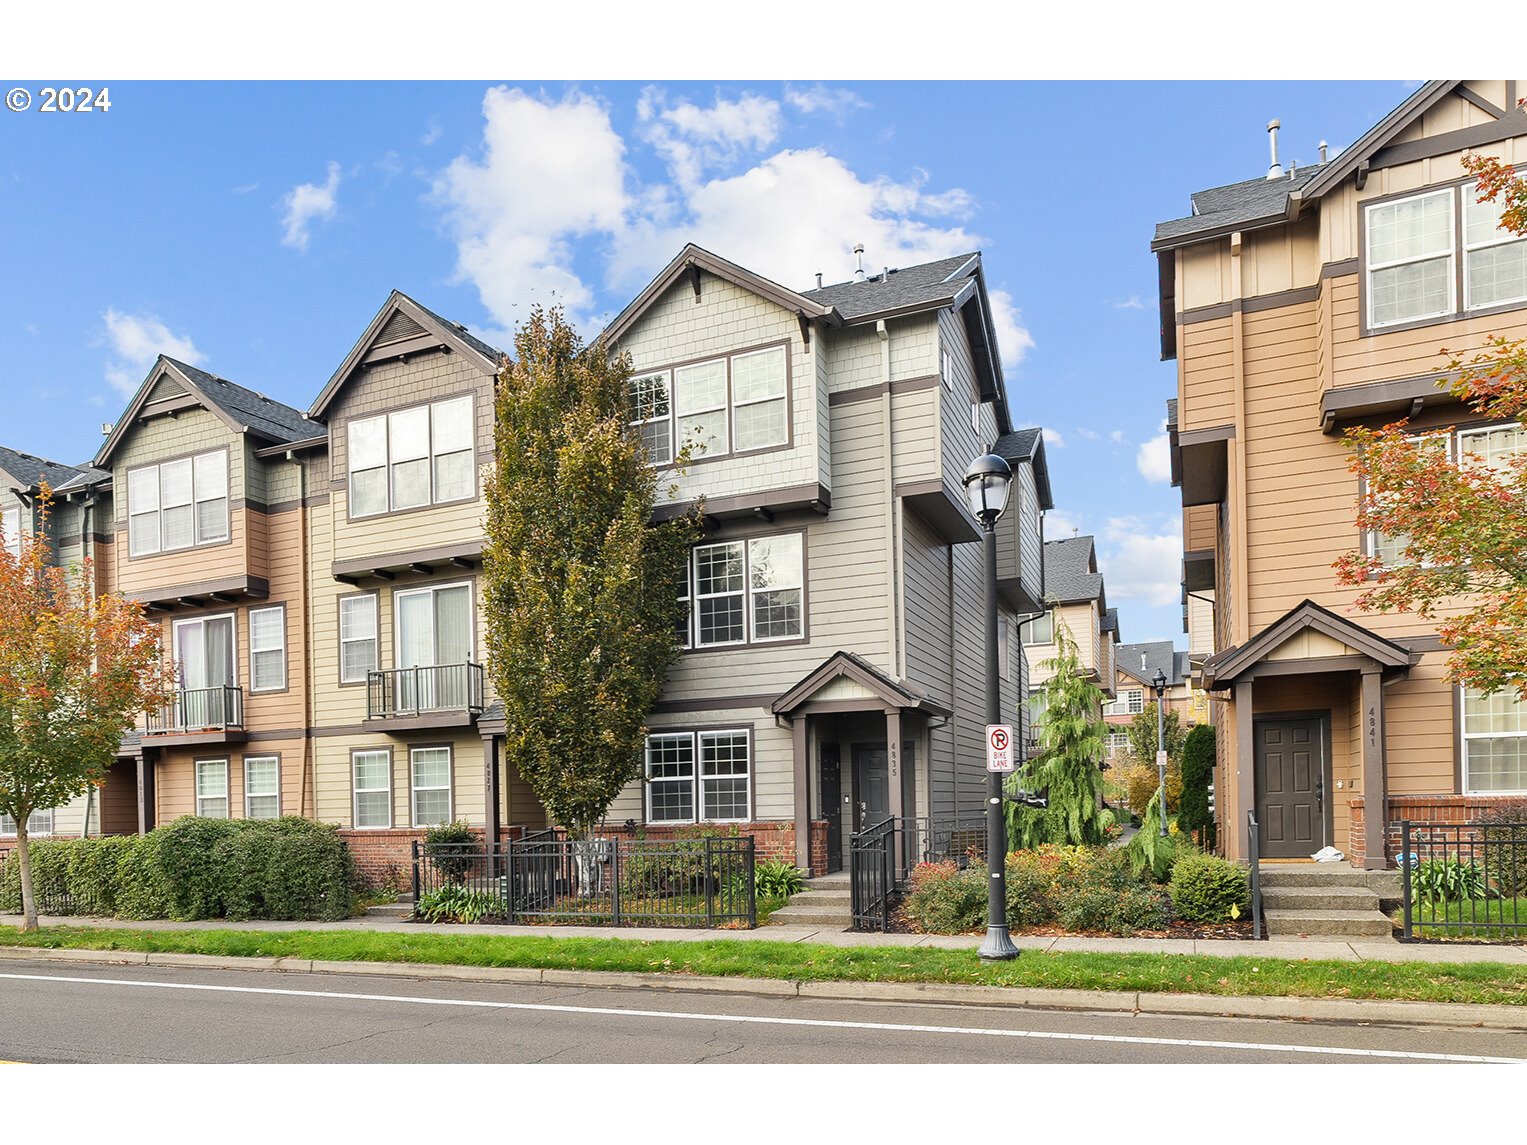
{"points": [[1323, 146], [858, 262], [819, 280], [106, 428], [1276, 170]]}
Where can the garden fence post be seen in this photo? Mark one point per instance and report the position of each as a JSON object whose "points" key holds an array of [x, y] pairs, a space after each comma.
{"points": [[1407, 869], [752, 876], [615, 881], [414, 847], [710, 890], [506, 880]]}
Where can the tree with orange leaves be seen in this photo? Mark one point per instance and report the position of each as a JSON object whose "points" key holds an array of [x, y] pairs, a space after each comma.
{"points": [[1460, 524], [76, 668]]}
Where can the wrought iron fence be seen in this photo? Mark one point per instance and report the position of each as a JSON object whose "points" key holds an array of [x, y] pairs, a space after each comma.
{"points": [[438, 688], [544, 878], [872, 875], [1254, 841], [1463, 880], [197, 709], [882, 856], [50, 890]]}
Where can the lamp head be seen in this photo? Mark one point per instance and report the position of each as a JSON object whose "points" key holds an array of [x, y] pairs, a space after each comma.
{"points": [[987, 482], [1159, 683]]}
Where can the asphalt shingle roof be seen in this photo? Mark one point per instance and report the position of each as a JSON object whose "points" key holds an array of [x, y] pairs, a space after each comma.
{"points": [[1234, 203], [1017, 445], [492, 353], [1109, 621], [1071, 570], [1143, 661], [265, 416], [25, 467], [928, 284]]}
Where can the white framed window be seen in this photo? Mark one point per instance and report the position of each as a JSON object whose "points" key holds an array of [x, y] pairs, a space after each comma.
{"points": [[429, 771], [1118, 744], [1492, 446], [1494, 259], [651, 414], [357, 637], [1039, 629], [1039, 702], [1410, 249], [267, 649], [178, 504], [10, 530], [262, 787], [371, 782], [946, 370], [699, 392], [719, 787], [749, 591], [1494, 742], [1134, 701], [1390, 549], [38, 823], [758, 399], [412, 457], [212, 788]]}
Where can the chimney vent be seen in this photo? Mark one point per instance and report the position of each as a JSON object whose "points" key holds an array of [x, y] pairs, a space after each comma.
{"points": [[1323, 146], [819, 280], [106, 428], [858, 262], [1276, 170]]}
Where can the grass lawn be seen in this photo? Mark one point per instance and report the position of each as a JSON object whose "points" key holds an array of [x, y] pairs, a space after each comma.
{"points": [[1471, 920], [1175, 973]]}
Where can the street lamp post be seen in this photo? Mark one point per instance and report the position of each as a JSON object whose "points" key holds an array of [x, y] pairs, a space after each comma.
{"points": [[1159, 683], [987, 482]]}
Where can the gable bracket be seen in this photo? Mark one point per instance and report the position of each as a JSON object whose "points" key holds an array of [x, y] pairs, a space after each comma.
{"points": [[800, 316], [1362, 174], [694, 280]]}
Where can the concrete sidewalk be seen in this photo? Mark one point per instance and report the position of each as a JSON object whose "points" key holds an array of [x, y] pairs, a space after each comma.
{"points": [[1312, 949]]}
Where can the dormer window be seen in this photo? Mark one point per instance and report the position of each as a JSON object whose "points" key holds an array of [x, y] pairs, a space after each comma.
{"points": [[178, 504], [411, 458]]}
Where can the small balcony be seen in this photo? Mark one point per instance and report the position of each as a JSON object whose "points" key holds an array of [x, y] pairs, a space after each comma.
{"points": [[438, 696], [200, 716]]}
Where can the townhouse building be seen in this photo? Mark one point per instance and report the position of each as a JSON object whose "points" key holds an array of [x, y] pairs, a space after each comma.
{"points": [[1296, 305], [1135, 670], [316, 572]]}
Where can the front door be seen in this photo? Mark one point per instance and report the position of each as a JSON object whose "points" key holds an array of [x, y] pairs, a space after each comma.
{"points": [[872, 785], [832, 804], [1291, 786]]}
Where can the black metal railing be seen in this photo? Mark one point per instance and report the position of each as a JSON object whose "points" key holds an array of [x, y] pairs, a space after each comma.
{"points": [[50, 888], [545, 878], [220, 708], [1254, 842], [438, 688], [1463, 880], [882, 856]]}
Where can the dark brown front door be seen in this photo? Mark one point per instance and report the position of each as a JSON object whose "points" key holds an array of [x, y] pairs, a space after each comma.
{"points": [[832, 804], [872, 786], [1290, 767]]}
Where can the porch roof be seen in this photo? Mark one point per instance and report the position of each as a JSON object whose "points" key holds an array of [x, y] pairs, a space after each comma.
{"points": [[1358, 647], [884, 692]]}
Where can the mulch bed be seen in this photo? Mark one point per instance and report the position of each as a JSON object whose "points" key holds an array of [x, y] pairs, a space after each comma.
{"points": [[1239, 929]]}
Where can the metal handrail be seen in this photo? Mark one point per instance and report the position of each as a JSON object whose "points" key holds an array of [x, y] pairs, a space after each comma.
{"points": [[1255, 844], [196, 709], [427, 688]]}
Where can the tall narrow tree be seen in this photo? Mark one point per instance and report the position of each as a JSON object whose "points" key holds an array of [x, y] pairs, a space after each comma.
{"points": [[581, 587], [76, 669]]}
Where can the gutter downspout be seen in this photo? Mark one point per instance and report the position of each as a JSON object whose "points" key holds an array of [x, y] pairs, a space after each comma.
{"points": [[85, 523]]}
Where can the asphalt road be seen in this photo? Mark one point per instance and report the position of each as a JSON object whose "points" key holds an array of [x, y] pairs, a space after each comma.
{"points": [[164, 1014]]}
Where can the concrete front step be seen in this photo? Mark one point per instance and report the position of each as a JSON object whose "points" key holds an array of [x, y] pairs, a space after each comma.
{"points": [[391, 910], [834, 882], [1319, 898], [1327, 923], [1327, 875]]}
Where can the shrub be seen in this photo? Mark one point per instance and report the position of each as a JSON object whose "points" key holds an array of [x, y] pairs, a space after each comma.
{"points": [[946, 900], [452, 849], [1197, 773], [142, 890], [1504, 833], [1206, 888], [196, 880], [774, 878], [454, 903], [1152, 854]]}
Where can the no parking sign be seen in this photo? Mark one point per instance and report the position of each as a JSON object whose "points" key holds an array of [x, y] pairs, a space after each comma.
{"points": [[999, 747]]}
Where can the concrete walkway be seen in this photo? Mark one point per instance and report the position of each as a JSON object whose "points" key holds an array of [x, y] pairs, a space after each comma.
{"points": [[1312, 949]]}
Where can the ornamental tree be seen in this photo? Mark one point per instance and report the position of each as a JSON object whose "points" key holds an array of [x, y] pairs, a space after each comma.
{"points": [[76, 669], [1071, 738], [1457, 526], [581, 597]]}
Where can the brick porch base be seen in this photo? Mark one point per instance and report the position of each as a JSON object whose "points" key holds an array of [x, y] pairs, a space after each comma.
{"points": [[1419, 809]]}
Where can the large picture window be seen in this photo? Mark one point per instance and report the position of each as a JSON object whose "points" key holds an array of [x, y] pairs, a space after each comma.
{"points": [[733, 404], [412, 457], [1494, 743], [705, 770], [178, 504], [748, 591]]}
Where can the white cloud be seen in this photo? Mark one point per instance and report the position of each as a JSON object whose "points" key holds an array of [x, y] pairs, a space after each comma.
{"points": [[432, 132], [1061, 525], [819, 99], [691, 138], [1086, 434], [245, 188], [135, 341], [1141, 560], [550, 172], [1116, 436], [1013, 338], [1053, 437], [307, 202], [1154, 460], [1131, 303]]}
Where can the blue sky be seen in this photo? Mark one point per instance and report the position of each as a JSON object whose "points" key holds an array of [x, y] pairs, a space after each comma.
{"points": [[254, 228]]}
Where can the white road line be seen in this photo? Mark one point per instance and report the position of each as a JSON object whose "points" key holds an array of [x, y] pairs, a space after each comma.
{"points": [[818, 1023]]}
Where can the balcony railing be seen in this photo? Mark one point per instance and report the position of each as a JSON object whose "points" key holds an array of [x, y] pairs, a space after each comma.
{"points": [[199, 709], [415, 691]]}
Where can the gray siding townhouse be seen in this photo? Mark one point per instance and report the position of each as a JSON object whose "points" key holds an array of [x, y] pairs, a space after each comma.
{"points": [[833, 667]]}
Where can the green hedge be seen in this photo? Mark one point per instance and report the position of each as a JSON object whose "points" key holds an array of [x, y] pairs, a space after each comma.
{"points": [[1206, 888], [194, 868]]}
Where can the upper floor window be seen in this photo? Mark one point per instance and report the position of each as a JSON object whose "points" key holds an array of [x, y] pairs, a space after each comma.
{"points": [[1130, 702], [1413, 250], [357, 637], [1494, 742], [1390, 548], [178, 504], [10, 530], [750, 591], [267, 649], [1039, 630], [732, 404], [1492, 446], [412, 457]]}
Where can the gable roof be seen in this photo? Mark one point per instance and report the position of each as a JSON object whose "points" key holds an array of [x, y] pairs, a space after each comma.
{"points": [[1242, 206], [1142, 661], [33, 471], [1109, 621], [1225, 666], [409, 332], [1028, 445], [893, 693], [1071, 571], [901, 290]]}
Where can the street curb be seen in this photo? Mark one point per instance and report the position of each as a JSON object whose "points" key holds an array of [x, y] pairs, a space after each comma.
{"points": [[1455, 1014]]}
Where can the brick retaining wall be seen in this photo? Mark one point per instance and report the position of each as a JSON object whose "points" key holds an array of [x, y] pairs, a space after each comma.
{"points": [[1419, 809]]}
